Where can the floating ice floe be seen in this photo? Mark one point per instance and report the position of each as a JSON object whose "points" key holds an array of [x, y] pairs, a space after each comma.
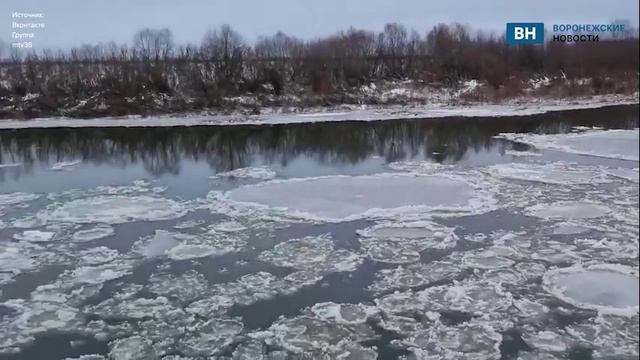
{"points": [[607, 288], [258, 172], [414, 275], [318, 338], [568, 210], [13, 258], [568, 228], [114, 209], [559, 173], [34, 236], [188, 224], [94, 233], [211, 337], [401, 243], [22, 320], [98, 274], [249, 289], [195, 251], [186, 287], [628, 174], [97, 255], [157, 245], [16, 198], [490, 258], [474, 340], [422, 167], [342, 198], [131, 348], [64, 165], [521, 153], [312, 253], [610, 336], [618, 144], [9, 165]]}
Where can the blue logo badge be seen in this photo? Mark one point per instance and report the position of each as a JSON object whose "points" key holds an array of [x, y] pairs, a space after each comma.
{"points": [[525, 33]]}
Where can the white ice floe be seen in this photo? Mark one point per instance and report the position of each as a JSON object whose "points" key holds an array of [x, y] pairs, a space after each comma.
{"points": [[13, 258], [559, 173], [258, 172], [313, 337], [568, 228], [98, 274], [632, 175], [474, 340], [414, 275], [346, 313], [10, 165], [568, 210], [157, 245], [34, 236], [610, 336], [195, 251], [521, 153], [400, 243], [312, 253], [131, 348], [114, 209], [185, 287], [228, 226], [607, 288], [97, 255], [16, 198], [210, 337], [64, 165], [94, 233], [618, 144], [343, 198], [422, 167], [546, 341]]}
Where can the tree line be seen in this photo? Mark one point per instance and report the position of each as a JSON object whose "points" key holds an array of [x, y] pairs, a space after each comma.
{"points": [[224, 64]]}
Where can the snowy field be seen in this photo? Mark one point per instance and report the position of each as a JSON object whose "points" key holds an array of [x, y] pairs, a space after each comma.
{"points": [[349, 113], [524, 248]]}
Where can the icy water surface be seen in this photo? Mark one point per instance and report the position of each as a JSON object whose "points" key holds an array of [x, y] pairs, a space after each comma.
{"points": [[477, 238]]}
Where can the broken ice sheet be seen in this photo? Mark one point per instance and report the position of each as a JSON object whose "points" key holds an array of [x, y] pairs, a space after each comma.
{"points": [[568, 210], [184, 287], [414, 275], [309, 335], [607, 288], [617, 144], [210, 337], [16, 198], [24, 319], [611, 336], [258, 172], [558, 173], [312, 253], [34, 236], [342, 198], [93, 233], [114, 209], [473, 340]]}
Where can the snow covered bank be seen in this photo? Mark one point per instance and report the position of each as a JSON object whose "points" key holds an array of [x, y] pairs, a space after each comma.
{"points": [[345, 113]]}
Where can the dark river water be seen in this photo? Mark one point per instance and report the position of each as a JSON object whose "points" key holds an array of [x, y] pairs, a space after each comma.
{"points": [[452, 238]]}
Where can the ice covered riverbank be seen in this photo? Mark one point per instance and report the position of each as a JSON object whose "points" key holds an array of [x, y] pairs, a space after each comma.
{"points": [[344, 113]]}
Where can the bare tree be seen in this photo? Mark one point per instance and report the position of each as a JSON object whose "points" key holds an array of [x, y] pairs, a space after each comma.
{"points": [[153, 43]]}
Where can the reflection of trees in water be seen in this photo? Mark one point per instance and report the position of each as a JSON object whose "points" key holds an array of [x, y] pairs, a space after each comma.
{"points": [[160, 150]]}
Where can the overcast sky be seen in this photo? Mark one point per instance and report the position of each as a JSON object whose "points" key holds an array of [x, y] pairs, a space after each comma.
{"points": [[74, 22]]}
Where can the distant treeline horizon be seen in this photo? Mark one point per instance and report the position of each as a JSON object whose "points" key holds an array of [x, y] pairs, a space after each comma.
{"points": [[224, 64]]}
